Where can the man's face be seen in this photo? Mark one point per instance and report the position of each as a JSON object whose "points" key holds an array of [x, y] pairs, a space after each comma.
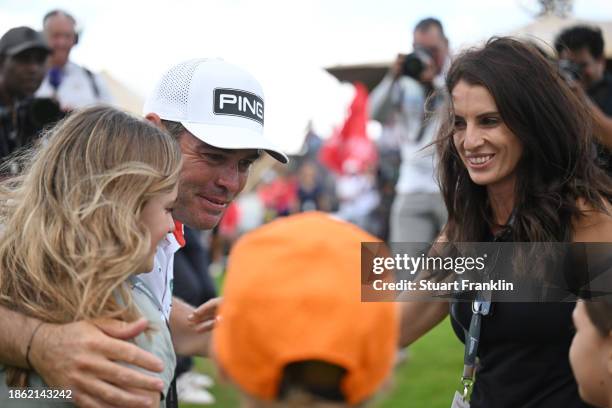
{"points": [[60, 34], [210, 179], [592, 69], [433, 41], [23, 73]]}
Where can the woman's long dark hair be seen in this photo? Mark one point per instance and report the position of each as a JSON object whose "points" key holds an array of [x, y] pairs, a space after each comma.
{"points": [[558, 164]]}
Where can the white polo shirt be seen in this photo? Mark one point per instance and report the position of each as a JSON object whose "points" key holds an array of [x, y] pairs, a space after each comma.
{"points": [[76, 89], [160, 280]]}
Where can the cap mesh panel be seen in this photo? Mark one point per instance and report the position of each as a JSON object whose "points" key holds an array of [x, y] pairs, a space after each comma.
{"points": [[174, 86]]}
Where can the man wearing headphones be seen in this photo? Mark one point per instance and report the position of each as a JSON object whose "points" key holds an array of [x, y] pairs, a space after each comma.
{"points": [[72, 85]]}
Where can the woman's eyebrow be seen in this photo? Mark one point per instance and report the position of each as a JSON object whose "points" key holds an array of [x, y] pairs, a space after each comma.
{"points": [[491, 113]]}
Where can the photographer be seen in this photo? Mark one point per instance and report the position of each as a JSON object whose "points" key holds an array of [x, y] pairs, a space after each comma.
{"points": [[580, 51], [399, 104], [23, 53]]}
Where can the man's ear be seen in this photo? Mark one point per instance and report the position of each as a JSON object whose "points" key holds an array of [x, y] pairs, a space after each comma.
{"points": [[155, 119]]}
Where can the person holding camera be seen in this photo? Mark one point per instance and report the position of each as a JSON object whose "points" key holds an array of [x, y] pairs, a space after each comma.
{"points": [[580, 50], [73, 85], [405, 103], [23, 53]]}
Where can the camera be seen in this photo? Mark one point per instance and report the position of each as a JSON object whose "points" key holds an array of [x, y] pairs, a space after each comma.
{"points": [[415, 63], [569, 70], [22, 124]]}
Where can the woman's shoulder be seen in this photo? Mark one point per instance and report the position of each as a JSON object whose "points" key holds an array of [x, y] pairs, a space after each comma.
{"points": [[594, 225]]}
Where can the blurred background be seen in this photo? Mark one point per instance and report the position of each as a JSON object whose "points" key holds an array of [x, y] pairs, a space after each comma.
{"points": [[317, 61]]}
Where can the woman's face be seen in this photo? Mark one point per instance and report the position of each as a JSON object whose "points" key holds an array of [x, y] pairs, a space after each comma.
{"points": [[488, 149], [590, 359], [156, 215]]}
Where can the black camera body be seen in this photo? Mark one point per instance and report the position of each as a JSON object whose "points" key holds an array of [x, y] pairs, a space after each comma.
{"points": [[415, 63], [22, 124], [570, 71]]}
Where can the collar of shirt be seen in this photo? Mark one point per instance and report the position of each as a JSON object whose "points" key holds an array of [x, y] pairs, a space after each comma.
{"points": [[179, 233], [173, 241]]}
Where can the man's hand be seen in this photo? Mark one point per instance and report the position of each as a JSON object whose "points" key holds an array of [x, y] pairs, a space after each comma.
{"points": [[192, 328], [84, 356], [398, 65], [203, 318]]}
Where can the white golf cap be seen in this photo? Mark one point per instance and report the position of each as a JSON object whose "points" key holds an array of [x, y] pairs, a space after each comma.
{"points": [[219, 103]]}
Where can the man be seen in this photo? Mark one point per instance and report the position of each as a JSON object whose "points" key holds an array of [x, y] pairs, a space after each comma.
{"points": [[216, 112], [398, 102], [583, 46], [23, 53], [72, 85], [194, 285]]}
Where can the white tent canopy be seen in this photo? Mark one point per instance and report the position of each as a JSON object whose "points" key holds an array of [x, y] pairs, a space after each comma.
{"points": [[125, 98], [298, 97], [544, 29]]}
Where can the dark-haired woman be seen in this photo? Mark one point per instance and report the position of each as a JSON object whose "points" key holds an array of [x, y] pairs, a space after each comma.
{"points": [[515, 166]]}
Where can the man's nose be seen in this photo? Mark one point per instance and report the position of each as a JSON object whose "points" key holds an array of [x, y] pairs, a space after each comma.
{"points": [[229, 178]]}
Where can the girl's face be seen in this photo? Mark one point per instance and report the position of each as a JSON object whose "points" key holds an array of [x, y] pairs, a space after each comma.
{"points": [[487, 147], [156, 215], [591, 359]]}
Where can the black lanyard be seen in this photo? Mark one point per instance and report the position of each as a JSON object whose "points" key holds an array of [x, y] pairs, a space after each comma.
{"points": [[480, 307]]}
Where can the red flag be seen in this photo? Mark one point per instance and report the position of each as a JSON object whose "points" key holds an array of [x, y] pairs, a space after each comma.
{"points": [[351, 142]]}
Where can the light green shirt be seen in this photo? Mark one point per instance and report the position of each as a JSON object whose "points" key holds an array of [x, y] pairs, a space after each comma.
{"points": [[158, 342]]}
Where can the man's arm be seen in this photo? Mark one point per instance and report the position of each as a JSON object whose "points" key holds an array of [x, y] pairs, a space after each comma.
{"points": [[82, 357], [381, 100], [13, 343], [191, 327]]}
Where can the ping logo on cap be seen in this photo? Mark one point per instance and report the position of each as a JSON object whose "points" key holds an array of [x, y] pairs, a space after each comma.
{"points": [[235, 102]]}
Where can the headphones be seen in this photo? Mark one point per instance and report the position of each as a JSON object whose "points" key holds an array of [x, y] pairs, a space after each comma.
{"points": [[56, 12]]}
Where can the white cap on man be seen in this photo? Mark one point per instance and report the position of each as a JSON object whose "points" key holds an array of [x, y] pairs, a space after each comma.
{"points": [[219, 103]]}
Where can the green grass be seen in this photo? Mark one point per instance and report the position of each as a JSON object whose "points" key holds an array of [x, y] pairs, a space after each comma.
{"points": [[427, 379], [430, 376]]}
